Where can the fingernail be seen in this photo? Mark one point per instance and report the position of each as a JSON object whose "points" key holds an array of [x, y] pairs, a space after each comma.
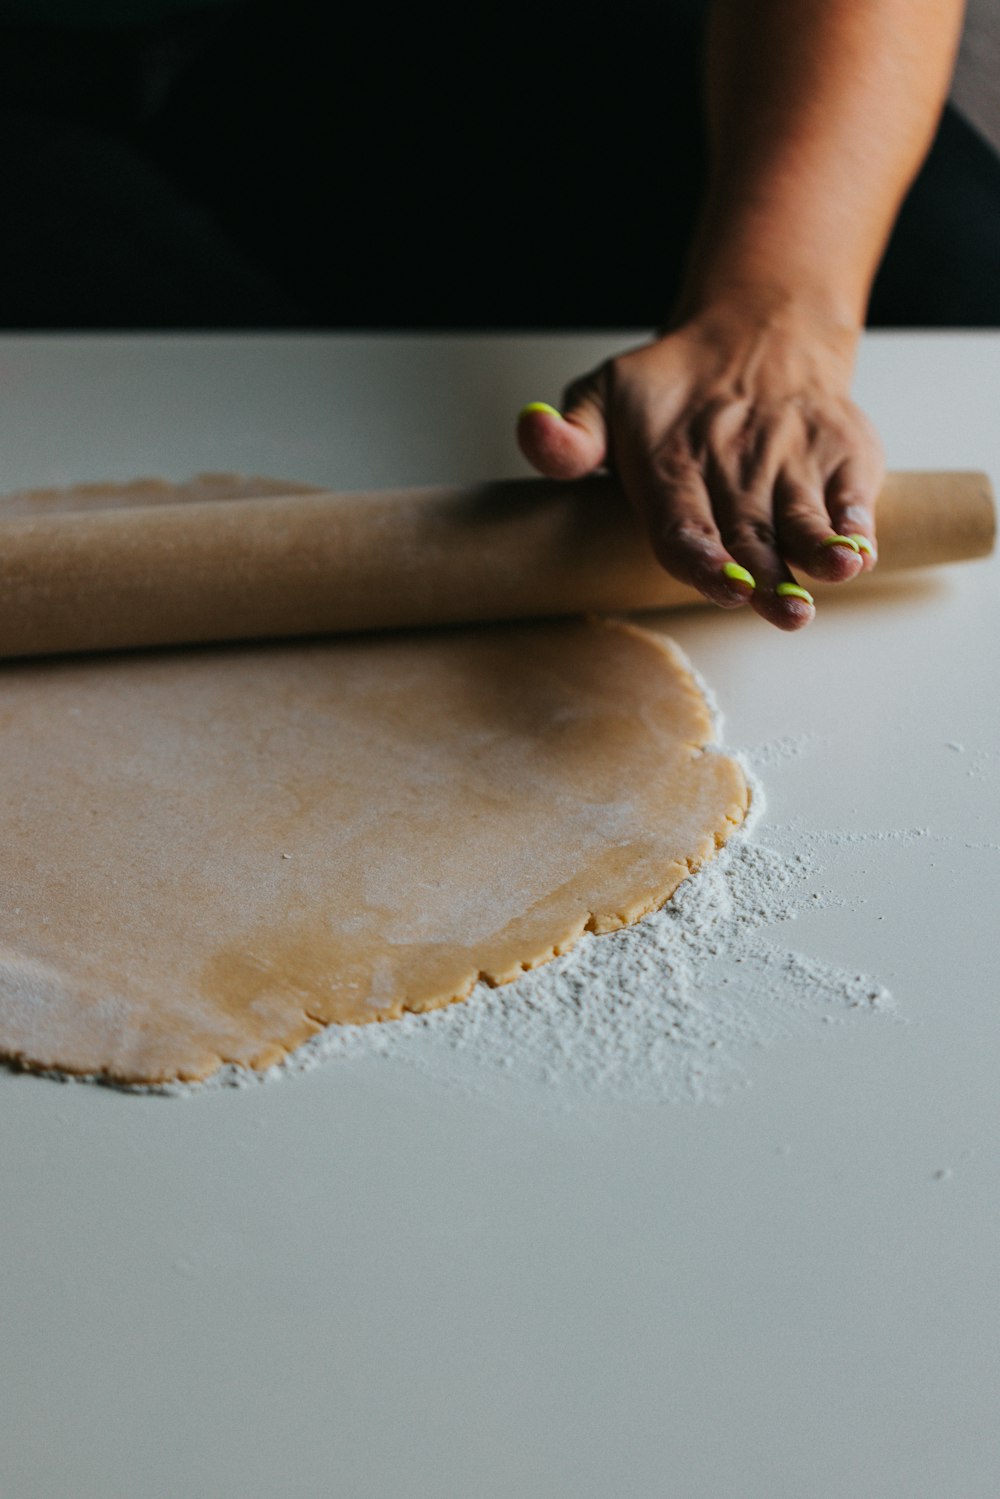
{"points": [[862, 543], [841, 541], [793, 591], [737, 574], [539, 406]]}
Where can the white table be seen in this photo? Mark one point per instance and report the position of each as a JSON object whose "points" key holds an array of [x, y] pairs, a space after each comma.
{"points": [[360, 1283]]}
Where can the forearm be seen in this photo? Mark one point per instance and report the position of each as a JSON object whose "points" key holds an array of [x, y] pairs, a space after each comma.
{"points": [[820, 113]]}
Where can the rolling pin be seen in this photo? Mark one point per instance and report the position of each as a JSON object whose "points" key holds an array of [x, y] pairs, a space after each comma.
{"points": [[153, 564]]}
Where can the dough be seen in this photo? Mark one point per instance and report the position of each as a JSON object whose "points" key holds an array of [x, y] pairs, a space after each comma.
{"points": [[210, 854]]}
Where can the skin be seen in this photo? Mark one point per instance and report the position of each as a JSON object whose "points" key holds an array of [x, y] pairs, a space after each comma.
{"points": [[733, 431]]}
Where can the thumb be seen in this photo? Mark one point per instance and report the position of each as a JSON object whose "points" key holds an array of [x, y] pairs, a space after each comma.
{"points": [[570, 443]]}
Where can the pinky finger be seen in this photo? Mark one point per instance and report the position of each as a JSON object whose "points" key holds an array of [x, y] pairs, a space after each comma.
{"points": [[851, 494]]}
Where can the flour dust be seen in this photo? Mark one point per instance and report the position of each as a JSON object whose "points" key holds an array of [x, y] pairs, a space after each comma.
{"points": [[665, 1011]]}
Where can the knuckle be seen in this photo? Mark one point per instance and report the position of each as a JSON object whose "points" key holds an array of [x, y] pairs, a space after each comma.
{"points": [[673, 462], [752, 532], [803, 518], [851, 497], [851, 430], [846, 428], [684, 547], [751, 452], [712, 422], [858, 421], [686, 535], [744, 448], [802, 506]]}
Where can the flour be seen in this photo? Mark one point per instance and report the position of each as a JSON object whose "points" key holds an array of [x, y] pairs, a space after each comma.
{"points": [[666, 1011], [663, 1011]]}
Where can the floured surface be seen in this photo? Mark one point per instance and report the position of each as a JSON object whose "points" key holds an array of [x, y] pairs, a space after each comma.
{"points": [[211, 855], [669, 1010]]}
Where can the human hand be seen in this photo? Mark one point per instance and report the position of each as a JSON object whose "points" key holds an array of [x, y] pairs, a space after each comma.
{"points": [[736, 440]]}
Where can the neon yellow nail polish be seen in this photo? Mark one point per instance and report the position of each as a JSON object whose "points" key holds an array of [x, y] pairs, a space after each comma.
{"points": [[539, 406], [841, 541], [739, 574], [793, 591], [862, 543]]}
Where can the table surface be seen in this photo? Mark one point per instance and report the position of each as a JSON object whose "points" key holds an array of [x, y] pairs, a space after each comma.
{"points": [[363, 1282]]}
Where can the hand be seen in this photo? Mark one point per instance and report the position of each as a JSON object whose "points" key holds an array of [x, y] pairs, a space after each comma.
{"points": [[736, 440]]}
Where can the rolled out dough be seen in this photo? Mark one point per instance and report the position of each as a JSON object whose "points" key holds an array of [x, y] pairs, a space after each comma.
{"points": [[209, 855]]}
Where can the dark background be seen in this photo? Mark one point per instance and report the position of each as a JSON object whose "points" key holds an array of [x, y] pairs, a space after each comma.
{"points": [[266, 165]]}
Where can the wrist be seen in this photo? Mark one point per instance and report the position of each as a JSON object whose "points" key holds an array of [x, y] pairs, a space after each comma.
{"points": [[737, 307], [754, 298], [768, 344], [775, 261]]}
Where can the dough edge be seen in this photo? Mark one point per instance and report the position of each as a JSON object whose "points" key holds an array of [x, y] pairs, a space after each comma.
{"points": [[279, 1057]]}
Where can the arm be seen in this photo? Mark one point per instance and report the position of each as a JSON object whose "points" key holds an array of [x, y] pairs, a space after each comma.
{"points": [[733, 432], [820, 114]]}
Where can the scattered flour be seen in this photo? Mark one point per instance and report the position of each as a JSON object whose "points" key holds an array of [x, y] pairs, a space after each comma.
{"points": [[668, 1010], [664, 1011]]}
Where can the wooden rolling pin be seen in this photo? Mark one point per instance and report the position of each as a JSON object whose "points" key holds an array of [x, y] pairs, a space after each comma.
{"points": [[153, 564]]}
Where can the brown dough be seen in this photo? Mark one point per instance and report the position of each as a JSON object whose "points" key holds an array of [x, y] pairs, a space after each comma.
{"points": [[209, 855]]}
